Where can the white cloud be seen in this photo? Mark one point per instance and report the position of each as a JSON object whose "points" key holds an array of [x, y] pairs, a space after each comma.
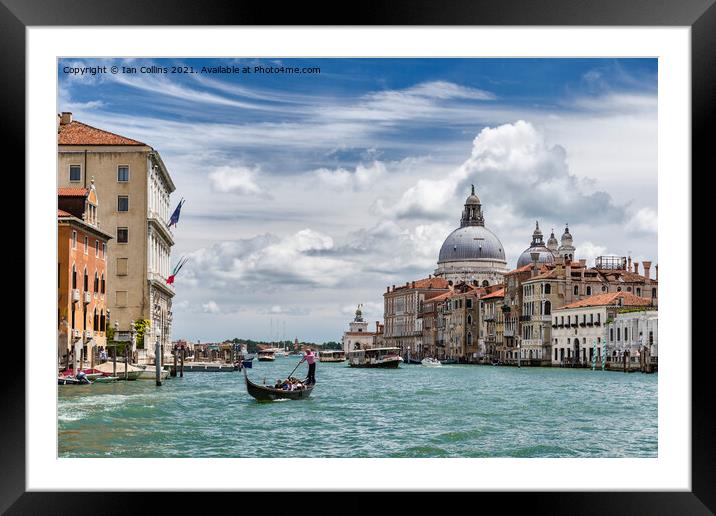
{"points": [[270, 261], [211, 307], [448, 90], [511, 165], [645, 220], [589, 251], [363, 177], [238, 180]]}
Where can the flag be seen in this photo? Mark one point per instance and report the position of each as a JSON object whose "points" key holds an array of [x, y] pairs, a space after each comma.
{"points": [[175, 216], [177, 268]]}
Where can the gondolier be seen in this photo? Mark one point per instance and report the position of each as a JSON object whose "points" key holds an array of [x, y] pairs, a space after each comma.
{"points": [[311, 359]]}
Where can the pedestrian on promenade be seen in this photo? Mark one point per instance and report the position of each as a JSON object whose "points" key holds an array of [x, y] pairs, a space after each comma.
{"points": [[311, 359]]}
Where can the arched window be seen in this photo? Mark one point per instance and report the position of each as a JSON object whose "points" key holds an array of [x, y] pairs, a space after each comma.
{"points": [[619, 289], [604, 288], [485, 283], [626, 334], [548, 289], [74, 276], [469, 339], [576, 290], [638, 291], [86, 281], [96, 282], [469, 319], [547, 308], [102, 321], [653, 292], [95, 320], [103, 285], [589, 291], [628, 289]]}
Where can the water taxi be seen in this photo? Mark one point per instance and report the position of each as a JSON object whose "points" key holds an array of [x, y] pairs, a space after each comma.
{"points": [[266, 355], [375, 357], [333, 355]]}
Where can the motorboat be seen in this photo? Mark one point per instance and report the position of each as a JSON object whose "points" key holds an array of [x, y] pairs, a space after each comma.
{"points": [[375, 357], [431, 362], [267, 355], [333, 355]]}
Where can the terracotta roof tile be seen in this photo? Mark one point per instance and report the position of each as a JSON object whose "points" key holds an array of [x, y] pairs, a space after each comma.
{"points": [[443, 297], [77, 133], [498, 293], [72, 192], [429, 283], [61, 213], [609, 298]]}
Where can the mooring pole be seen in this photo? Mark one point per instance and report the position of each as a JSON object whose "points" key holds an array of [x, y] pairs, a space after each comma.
{"points": [[181, 370], [126, 363], [114, 360], [158, 359]]}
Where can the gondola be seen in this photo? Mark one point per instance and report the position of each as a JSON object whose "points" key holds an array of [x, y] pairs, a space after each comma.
{"points": [[266, 393]]}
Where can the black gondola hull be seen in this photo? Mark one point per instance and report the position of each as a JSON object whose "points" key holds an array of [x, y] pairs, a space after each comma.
{"points": [[263, 393]]}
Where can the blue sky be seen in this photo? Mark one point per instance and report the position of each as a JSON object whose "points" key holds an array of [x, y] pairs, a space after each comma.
{"points": [[307, 194]]}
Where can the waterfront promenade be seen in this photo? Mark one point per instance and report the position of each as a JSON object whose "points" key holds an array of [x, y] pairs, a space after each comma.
{"points": [[413, 411]]}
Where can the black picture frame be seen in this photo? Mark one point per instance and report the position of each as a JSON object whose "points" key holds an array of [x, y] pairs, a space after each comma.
{"points": [[699, 15]]}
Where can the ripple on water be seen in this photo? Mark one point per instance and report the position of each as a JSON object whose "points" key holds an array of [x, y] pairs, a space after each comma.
{"points": [[456, 411]]}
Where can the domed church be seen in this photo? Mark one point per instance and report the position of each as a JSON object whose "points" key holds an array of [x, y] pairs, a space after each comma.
{"points": [[537, 246], [472, 252]]}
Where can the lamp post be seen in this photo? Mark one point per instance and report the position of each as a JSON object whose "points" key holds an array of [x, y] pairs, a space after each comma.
{"points": [[158, 357]]}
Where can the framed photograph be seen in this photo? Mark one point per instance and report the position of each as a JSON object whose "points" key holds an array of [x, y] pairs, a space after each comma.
{"points": [[417, 250]]}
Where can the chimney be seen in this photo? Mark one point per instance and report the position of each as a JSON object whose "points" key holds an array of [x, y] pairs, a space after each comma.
{"points": [[387, 289], [393, 288], [413, 284], [65, 118], [535, 257], [636, 267], [430, 276], [647, 271], [629, 264], [377, 326]]}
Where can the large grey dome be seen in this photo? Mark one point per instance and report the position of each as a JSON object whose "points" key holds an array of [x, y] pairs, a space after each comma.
{"points": [[545, 256], [471, 243]]}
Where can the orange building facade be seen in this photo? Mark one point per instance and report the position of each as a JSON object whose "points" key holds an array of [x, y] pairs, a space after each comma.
{"points": [[83, 317]]}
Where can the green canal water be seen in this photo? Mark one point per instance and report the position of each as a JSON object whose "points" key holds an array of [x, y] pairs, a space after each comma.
{"points": [[414, 411]]}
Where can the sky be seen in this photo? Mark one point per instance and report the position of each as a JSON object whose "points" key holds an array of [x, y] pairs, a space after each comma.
{"points": [[308, 193]]}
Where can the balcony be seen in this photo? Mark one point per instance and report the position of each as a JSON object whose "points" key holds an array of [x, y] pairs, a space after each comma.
{"points": [[160, 282], [525, 317], [75, 295], [87, 298]]}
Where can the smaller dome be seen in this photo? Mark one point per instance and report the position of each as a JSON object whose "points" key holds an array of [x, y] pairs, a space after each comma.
{"points": [[552, 242], [566, 235], [545, 256]]}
